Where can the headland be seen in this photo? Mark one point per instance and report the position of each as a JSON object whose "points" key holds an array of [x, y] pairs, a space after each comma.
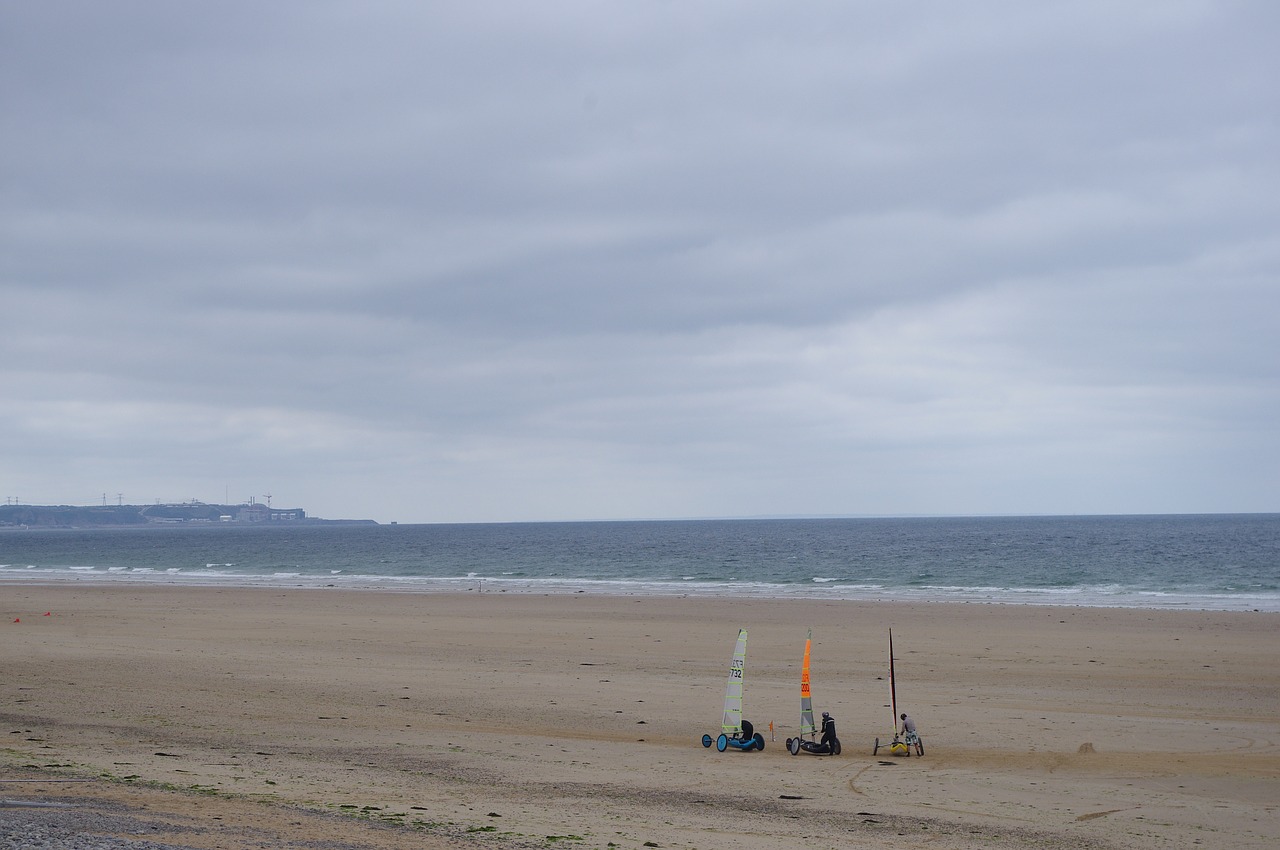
{"points": [[181, 513]]}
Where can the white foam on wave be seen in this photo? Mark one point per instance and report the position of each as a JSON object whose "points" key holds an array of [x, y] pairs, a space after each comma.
{"points": [[1104, 596]]}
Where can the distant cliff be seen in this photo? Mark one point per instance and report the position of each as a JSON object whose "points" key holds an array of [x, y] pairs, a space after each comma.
{"points": [[123, 516]]}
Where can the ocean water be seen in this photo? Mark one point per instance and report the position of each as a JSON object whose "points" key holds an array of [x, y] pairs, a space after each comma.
{"points": [[1213, 562]]}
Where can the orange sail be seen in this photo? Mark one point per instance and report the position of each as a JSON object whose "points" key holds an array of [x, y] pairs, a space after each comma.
{"points": [[806, 698]]}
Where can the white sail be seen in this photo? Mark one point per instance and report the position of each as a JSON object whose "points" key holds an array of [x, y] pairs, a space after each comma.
{"points": [[732, 723]]}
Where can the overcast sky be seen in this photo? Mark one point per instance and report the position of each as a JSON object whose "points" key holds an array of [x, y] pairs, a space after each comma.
{"points": [[442, 262]]}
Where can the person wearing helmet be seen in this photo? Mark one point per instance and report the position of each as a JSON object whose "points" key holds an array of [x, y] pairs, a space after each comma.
{"points": [[828, 730]]}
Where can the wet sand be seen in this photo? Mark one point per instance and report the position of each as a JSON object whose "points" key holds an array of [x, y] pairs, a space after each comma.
{"points": [[421, 720]]}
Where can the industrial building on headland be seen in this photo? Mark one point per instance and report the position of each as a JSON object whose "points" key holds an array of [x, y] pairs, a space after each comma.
{"points": [[258, 512]]}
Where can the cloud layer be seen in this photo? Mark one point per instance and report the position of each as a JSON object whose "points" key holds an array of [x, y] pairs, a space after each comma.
{"points": [[473, 262]]}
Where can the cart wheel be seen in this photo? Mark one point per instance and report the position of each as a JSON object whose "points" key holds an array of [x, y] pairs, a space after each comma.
{"points": [[722, 743], [835, 747], [706, 740], [876, 748], [759, 739], [793, 746]]}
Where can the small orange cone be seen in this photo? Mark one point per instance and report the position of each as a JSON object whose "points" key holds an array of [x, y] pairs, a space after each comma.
{"points": [[48, 613]]}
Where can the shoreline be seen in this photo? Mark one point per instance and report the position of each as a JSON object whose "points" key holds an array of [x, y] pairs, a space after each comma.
{"points": [[1056, 598], [579, 714]]}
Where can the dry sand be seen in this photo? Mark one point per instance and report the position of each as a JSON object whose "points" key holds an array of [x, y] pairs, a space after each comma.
{"points": [[575, 720]]}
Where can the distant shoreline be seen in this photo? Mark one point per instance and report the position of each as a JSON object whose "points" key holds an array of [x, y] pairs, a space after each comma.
{"points": [[194, 513], [301, 523]]}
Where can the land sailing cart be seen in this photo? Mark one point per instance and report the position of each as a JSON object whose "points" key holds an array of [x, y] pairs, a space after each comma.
{"points": [[736, 733], [900, 745], [800, 744]]}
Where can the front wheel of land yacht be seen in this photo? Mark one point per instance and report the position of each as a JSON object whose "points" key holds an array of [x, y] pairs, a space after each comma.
{"points": [[876, 748], [706, 740]]}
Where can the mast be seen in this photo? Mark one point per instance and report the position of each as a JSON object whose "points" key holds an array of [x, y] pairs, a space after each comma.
{"points": [[893, 686], [732, 722], [806, 697]]}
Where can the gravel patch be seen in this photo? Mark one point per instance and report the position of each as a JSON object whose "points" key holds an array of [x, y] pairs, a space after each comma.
{"points": [[66, 828]]}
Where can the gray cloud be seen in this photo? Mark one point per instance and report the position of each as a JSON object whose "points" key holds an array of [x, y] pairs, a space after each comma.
{"points": [[444, 262]]}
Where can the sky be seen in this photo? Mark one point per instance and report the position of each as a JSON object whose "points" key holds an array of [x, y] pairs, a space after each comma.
{"points": [[493, 262]]}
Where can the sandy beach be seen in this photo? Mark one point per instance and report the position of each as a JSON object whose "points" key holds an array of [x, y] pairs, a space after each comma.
{"points": [[278, 717]]}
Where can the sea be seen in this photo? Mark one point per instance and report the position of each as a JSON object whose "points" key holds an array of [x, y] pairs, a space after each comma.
{"points": [[1198, 562]]}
